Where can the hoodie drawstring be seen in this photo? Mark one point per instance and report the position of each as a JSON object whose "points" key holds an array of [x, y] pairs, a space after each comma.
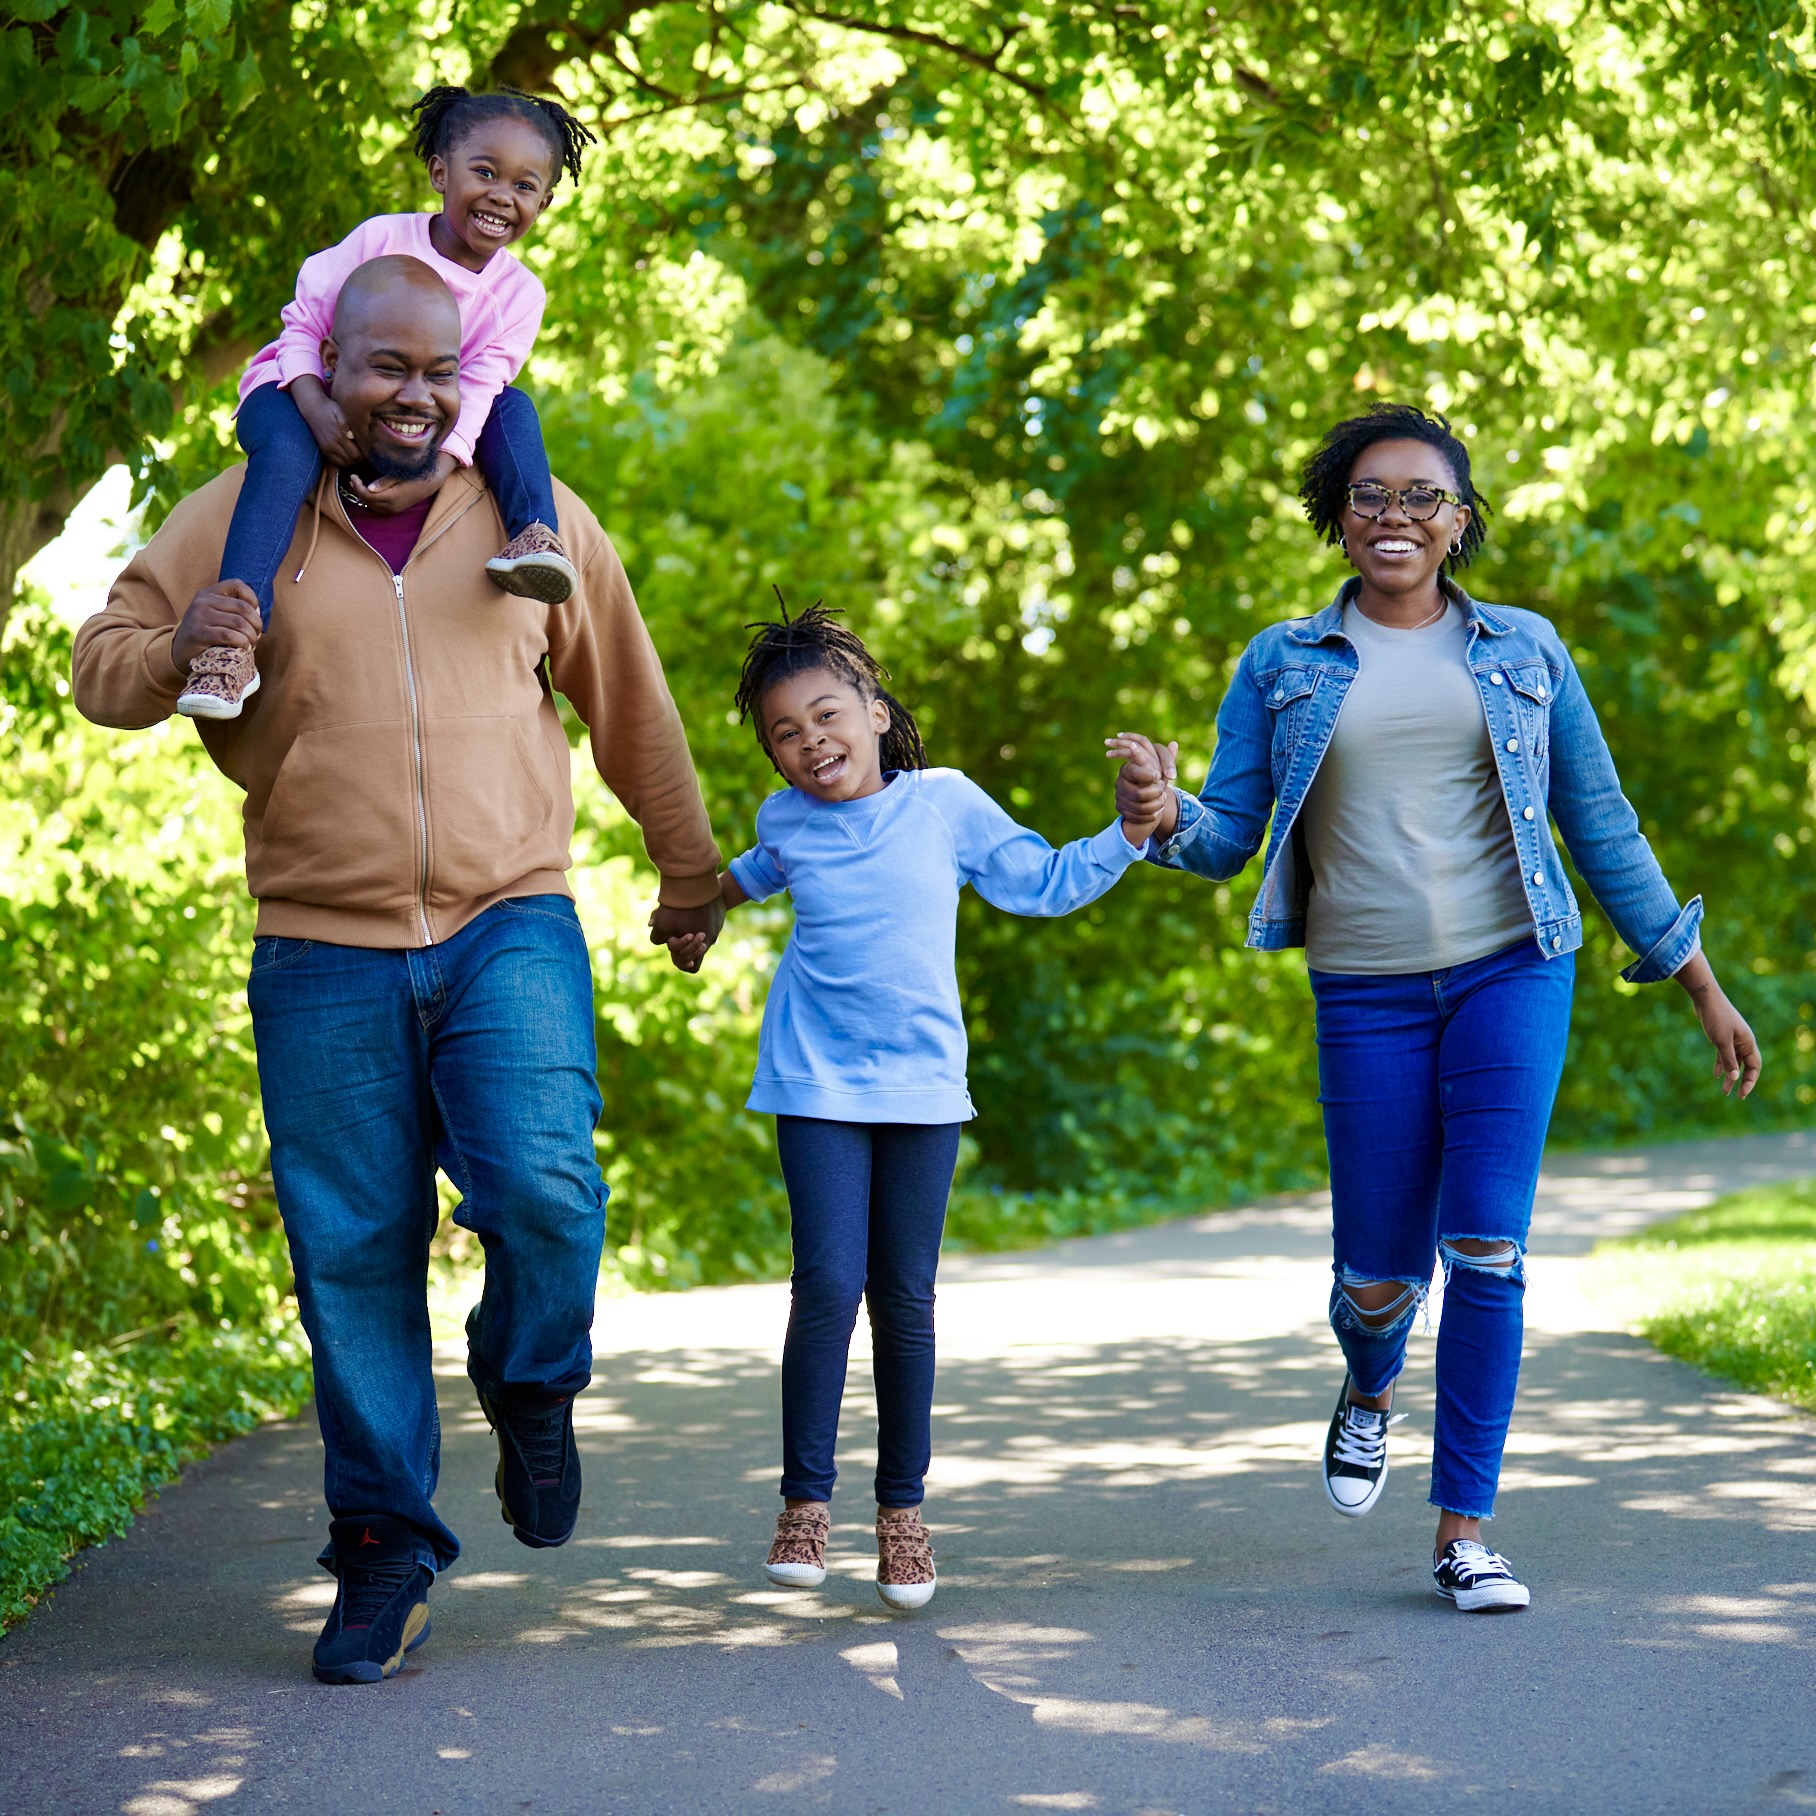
{"points": [[316, 532]]}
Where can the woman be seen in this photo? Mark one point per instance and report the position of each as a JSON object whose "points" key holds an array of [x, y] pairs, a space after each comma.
{"points": [[1413, 748]]}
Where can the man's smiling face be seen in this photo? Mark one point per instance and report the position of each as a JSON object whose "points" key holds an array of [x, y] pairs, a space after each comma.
{"points": [[393, 365]]}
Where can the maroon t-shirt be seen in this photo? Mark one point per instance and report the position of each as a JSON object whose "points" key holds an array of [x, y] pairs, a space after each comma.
{"points": [[393, 537]]}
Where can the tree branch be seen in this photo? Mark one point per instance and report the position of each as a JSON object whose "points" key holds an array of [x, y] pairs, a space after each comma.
{"points": [[908, 34]]}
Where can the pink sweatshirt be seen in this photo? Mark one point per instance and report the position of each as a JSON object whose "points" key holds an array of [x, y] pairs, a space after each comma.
{"points": [[500, 311]]}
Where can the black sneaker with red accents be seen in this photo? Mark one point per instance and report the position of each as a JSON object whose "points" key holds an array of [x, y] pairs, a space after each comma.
{"points": [[381, 1607], [538, 1479]]}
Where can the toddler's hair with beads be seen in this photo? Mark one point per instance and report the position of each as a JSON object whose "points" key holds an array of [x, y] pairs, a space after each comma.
{"points": [[815, 639], [444, 116]]}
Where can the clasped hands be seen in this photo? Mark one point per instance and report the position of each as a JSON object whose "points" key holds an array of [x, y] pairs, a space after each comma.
{"points": [[1144, 785]]}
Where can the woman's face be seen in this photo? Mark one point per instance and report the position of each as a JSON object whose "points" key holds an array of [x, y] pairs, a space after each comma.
{"points": [[1395, 553]]}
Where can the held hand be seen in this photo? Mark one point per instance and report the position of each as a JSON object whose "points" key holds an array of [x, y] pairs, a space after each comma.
{"points": [[327, 423], [1144, 791], [687, 951], [686, 932], [225, 613], [1737, 1061], [387, 497]]}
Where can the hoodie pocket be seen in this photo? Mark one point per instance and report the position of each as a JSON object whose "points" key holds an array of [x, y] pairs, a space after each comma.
{"points": [[494, 809], [338, 826]]}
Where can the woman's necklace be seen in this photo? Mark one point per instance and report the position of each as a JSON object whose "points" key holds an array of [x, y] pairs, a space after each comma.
{"points": [[1443, 607]]}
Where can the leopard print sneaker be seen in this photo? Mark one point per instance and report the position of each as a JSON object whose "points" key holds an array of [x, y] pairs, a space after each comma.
{"points": [[220, 682], [534, 565], [905, 1577], [797, 1559]]}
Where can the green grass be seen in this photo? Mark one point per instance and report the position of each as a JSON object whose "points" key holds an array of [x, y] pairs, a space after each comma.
{"points": [[1731, 1288], [85, 1435]]}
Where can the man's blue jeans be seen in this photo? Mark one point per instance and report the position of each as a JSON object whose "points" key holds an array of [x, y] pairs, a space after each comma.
{"points": [[1437, 1089], [475, 1056]]}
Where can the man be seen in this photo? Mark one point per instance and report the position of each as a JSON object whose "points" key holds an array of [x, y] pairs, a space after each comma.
{"points": [[421, 994]]}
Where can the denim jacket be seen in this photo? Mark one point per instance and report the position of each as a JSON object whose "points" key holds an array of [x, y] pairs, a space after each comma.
{"points": [[1275, 725]]}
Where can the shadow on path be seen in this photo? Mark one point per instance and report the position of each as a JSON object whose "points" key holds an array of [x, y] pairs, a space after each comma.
{"points": [[1145, 1603]]}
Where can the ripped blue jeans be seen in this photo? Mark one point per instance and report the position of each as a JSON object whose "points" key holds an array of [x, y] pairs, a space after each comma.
{"points": [[1437, 1089]]}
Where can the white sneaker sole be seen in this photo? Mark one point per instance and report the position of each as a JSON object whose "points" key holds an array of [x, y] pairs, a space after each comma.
{"points": [[212, 706], [1361, 1507], [1494, 1598], [546, 578], [905, 1597], [796, 1576]]}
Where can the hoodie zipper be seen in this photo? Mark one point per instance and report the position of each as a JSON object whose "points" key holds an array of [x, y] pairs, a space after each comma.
{"points": [[422, 800], [416, 754]]}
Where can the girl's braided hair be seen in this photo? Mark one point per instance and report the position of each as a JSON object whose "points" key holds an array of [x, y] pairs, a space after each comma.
{"points": [[444, 116], [815, 639], [1324, 487]]}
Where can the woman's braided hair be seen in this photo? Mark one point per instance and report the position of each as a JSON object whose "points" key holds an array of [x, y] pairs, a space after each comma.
{"points": [[815, 639], [1324, 485], [444, 116]]}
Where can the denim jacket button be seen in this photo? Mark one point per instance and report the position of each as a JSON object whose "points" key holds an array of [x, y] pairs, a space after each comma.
{"points": [[1513, 743], [1557, 942], [1525, 813], [1498, 678], [1538, 879]]}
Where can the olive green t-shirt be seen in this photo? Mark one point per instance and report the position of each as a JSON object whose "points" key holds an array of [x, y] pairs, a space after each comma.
{"points": [[1413, 862]]}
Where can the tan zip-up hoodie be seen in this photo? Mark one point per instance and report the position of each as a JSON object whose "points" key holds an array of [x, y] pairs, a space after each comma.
{"points": [[403, 760]]}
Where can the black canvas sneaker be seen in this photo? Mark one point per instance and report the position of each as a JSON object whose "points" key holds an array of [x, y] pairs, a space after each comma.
{"points": [[1355, 1455], [1478, 1580]]}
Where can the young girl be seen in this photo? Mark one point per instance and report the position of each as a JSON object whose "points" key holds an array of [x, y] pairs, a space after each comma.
{"points": [[862, 1055], [495, 160]]}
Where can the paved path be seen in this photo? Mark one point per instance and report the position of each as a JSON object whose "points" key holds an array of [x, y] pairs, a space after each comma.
{"points": [[1145, 1604]]}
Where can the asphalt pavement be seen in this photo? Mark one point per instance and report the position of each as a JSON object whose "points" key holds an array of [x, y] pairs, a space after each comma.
{"points": [[1145, 1603]]}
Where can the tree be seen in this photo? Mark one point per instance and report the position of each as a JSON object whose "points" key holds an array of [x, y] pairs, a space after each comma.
{"points": [[1063, 295]]}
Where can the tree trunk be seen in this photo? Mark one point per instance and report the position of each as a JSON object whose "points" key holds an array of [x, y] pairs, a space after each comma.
{"points": [[26, 526]]}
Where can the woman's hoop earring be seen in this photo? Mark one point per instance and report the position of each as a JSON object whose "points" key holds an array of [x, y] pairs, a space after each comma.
{"points": [[1343, 544], [1456, 548]]}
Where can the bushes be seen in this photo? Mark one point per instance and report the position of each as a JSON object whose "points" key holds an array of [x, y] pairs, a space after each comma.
{"points": [[1127, 1061], [86, 1435]]}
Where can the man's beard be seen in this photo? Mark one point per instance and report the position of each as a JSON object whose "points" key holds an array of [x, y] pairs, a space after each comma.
{"points": [[386, 465]]}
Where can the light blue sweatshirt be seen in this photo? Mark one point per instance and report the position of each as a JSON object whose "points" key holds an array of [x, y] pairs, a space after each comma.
{"points": [[863, 1021]]}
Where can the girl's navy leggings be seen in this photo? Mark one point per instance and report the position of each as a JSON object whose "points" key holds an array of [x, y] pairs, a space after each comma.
{"points": [[283, 464], [868, 1204]]}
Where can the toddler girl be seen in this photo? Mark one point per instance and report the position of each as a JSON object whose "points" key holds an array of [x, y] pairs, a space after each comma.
{"points": [[495, 160], [862, 1055]]}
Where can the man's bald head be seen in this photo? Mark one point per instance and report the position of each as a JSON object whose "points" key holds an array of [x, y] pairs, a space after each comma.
{"points": [[393, 364], [396, 286]]}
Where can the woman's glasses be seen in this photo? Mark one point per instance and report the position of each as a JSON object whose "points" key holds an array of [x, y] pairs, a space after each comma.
{"points": [[1420, 503]]}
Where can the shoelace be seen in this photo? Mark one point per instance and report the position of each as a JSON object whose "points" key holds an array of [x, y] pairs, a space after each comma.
{"points": [[542, 1438], [1471, 1559], [365, 1588], [1361, 1442]]}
